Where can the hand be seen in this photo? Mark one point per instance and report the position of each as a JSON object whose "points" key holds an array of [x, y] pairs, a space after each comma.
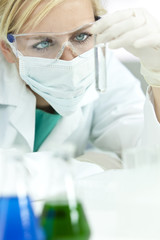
{"points": [[136, 31]]}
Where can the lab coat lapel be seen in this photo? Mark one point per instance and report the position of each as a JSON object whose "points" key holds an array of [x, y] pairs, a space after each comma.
{"points": [[62, 131], [23, 118], [18, 96]]}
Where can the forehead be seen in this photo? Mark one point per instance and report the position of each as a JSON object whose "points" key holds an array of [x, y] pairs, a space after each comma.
{"points": [[68, 15]]}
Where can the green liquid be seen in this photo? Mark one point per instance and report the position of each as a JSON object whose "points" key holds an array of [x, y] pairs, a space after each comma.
{"points": [[62, 223]]}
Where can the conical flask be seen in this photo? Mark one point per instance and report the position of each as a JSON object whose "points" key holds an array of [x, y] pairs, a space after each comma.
{"points": [[17, 219], [63, 216]]}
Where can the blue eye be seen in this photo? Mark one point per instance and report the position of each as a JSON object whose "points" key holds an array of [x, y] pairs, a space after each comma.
{"points": [[82, 37], [43, 44]]}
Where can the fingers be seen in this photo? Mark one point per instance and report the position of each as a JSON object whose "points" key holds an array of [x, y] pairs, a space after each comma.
{"points": [[111, 19], [152, 40], [129, 38], [131, 27], [119, 29]]}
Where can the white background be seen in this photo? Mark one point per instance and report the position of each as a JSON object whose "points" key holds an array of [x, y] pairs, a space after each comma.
{"points": [[153, 6]]}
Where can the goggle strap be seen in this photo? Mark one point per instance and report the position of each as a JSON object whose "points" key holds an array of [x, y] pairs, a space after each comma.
{"points": [[14, 50], [10, 38]]}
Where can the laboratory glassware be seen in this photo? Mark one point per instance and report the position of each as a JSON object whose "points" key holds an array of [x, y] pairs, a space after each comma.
{"points": [[63, 216], [17, 219], [100, 57]]}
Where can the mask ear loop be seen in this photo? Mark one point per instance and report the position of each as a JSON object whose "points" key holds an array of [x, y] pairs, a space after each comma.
{"points": [[14, 50], [66, 44]]}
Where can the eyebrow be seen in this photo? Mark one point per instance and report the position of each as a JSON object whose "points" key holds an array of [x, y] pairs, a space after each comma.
{"points": [[38, 37], [81, 30]]}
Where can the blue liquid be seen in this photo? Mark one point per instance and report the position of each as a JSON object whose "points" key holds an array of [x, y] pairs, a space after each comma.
{"points": [[17, 220]]}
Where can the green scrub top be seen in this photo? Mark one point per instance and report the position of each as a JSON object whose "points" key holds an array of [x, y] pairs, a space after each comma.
{"points": [[44, 124]]}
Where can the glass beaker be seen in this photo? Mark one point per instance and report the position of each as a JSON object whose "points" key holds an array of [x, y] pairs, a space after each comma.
{"points": [[63, 216], [17, 219]]}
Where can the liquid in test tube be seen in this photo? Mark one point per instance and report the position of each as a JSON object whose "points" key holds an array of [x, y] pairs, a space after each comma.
{"points": [[100, 67]]}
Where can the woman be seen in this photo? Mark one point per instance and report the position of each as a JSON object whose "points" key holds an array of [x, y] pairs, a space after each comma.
{"points": [[41, 103]]}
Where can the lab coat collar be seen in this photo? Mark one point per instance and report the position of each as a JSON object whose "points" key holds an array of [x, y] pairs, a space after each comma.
{"points": [[13, 92], [63, 130], [23, 118], [11, 84]]}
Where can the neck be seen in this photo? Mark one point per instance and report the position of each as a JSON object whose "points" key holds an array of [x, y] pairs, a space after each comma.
{"points": [[47, 109], [42, 104]]}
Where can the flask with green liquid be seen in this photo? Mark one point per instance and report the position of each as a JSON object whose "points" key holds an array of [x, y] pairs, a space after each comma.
{"points": [[63, 216]]}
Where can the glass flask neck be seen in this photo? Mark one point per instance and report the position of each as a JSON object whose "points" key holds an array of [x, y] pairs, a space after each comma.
{"points": [[13, 174]]}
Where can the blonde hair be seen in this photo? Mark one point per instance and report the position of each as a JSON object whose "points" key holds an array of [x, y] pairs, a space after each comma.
{"points": [[10, 11]]}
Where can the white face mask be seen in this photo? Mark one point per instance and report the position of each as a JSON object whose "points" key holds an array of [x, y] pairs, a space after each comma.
{"points": [[62, 84]]}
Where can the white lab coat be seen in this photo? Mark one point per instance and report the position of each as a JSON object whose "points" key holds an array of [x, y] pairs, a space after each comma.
{"points": [[111, 121]]}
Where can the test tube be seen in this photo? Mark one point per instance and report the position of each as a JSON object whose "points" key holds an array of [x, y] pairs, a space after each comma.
{"points": [[100, 57]]}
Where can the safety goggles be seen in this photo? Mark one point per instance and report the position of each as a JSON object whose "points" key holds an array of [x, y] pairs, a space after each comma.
{"points": [[52, 45]]}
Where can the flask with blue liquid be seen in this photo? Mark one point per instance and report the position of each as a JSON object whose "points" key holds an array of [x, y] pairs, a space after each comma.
{"points": [[17, 219]]}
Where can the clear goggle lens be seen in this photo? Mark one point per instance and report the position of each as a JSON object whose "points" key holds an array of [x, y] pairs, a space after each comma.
{"points": [[52, 45]]}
